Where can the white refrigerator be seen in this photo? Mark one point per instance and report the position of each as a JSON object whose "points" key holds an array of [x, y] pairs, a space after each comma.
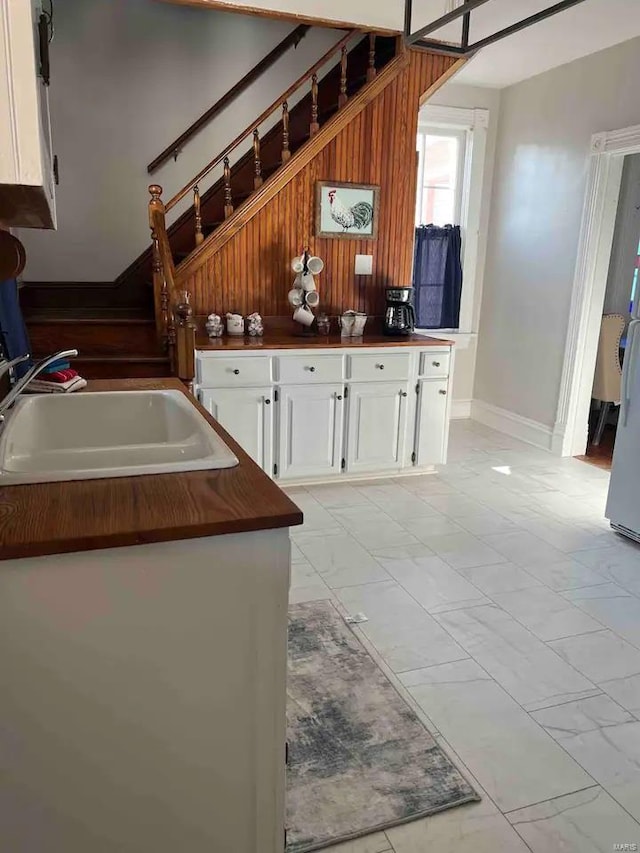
{"points": [[623, 503]]}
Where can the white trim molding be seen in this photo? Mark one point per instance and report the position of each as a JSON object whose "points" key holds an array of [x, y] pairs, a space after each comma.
{"points": [[510, 423], [460, 410], [606, 159]]}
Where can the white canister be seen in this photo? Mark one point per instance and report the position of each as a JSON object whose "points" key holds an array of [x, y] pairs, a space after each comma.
{"points": [[235, 324], [359, 322], [347, 322]]}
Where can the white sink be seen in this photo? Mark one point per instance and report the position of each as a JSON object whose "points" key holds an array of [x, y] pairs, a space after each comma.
{"points": [[107, 434]]}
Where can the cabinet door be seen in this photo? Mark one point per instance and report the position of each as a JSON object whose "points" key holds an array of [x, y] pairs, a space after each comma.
{"points": [[310, 430], [432, 424], [376, 426], [247, 414]]}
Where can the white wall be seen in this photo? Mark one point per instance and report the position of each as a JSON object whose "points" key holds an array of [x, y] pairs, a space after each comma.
{"points": [[126, 79], [472, 97], [544, 134], [625, 240]]}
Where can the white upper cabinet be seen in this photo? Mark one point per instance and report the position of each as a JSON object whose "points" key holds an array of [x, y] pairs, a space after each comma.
{"points": [[27, 197], [311, 421], [377, 426]]}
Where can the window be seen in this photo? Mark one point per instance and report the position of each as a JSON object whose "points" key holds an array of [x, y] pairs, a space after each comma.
{"points": [[451, 147], [441, 158]]}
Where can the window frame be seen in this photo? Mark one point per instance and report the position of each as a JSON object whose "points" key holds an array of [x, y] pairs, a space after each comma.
{"points": [[459, 134], [474, 124]]}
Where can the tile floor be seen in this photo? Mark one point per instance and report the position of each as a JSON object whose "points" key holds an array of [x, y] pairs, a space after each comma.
{"points": [[508, 613]]}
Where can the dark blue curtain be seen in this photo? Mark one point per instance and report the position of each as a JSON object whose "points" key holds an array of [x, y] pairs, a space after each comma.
{"points": [[14, 340], [437, 276]]}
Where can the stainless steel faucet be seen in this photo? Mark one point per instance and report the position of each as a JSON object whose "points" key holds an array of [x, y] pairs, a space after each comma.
{"points": [[31, 374]]}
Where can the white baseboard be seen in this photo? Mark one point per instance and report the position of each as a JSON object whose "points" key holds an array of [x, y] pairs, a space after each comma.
{"points": [[460, 409], [510, 423]]}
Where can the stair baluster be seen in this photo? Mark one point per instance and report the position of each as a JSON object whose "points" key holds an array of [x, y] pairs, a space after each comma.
{"points": [[228, 200], [257, 178], [371, 70], [286, 153], [314, 127], [160, 294], [342, 98], [196, 207]]}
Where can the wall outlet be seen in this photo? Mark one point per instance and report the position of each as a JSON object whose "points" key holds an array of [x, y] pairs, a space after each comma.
{"points": [[364, 264]]}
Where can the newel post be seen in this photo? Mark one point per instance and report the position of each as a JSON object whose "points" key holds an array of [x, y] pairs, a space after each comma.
{"points": [[160, 293]]}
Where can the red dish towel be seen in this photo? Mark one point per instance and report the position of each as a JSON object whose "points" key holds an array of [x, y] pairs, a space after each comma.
{"points": [[62, 375]]}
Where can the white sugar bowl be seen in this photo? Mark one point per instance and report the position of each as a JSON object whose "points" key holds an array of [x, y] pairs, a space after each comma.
{"points": [[235, 324]]}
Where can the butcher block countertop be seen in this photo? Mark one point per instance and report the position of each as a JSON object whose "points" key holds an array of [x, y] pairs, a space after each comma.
{"points": [[282, 339], [55, 518]]}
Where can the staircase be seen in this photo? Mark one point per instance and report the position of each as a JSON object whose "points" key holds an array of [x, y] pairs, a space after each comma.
{"points": [[125, 329]]}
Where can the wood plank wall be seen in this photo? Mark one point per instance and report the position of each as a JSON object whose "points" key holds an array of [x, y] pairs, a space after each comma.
{"points": [[252, 271]]}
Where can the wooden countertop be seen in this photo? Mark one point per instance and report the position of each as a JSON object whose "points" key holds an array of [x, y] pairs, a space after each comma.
{"points": [[279, 339], [55, 518]]}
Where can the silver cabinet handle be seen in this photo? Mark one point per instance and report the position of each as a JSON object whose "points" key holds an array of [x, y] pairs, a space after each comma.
{"points": [[436, 364], [403, 393], [236, 371], [443, 392]]}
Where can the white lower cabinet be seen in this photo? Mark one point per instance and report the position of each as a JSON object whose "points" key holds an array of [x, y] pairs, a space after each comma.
{"points": [[310, 428], [322, 414], [247, 414], [432, 424], [377, 426]]}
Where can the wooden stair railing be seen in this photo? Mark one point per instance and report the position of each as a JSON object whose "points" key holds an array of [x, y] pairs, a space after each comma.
{"points": [[178, 338], [253, 128], [292, 40]]}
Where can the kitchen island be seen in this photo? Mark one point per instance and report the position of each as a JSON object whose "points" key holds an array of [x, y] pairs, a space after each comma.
{"points": [[143, 650]]}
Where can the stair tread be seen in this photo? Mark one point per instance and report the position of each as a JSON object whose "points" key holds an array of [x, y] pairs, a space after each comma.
{"points": [[44, 320], [153, 359]]}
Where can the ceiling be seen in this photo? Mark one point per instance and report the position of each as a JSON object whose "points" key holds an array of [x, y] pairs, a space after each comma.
{"points": [[590, 26]]}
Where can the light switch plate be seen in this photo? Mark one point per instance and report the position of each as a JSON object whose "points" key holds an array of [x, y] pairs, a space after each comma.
{"points": [[364, 264]]}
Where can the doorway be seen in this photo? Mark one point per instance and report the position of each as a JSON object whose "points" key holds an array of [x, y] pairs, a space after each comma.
{"points": [[621, 286], [595, 250]]}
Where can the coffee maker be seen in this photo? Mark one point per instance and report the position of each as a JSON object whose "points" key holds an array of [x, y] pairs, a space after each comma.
{"points": [[399, 316]]}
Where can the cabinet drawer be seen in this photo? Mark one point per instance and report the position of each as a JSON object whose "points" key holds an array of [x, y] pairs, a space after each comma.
{"points": [[385, 366], [434, 364], [235, 372], [301, 369]]}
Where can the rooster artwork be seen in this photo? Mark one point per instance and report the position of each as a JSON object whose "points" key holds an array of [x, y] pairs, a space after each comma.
{"points": [[358, 215], [347, 210]]}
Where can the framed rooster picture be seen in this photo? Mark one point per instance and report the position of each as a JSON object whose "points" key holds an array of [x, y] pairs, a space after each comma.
{"points": [[347, 211]]}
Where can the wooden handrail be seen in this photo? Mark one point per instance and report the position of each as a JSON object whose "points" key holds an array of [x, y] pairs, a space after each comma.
{"points": [[293, 39], [254, 124]]}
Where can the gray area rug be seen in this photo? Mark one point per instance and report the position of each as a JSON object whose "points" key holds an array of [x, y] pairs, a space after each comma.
{"points": [[360, 760]]}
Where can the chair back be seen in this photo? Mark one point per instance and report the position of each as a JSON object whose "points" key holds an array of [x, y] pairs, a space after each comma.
{"points": [[608, 376]]}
